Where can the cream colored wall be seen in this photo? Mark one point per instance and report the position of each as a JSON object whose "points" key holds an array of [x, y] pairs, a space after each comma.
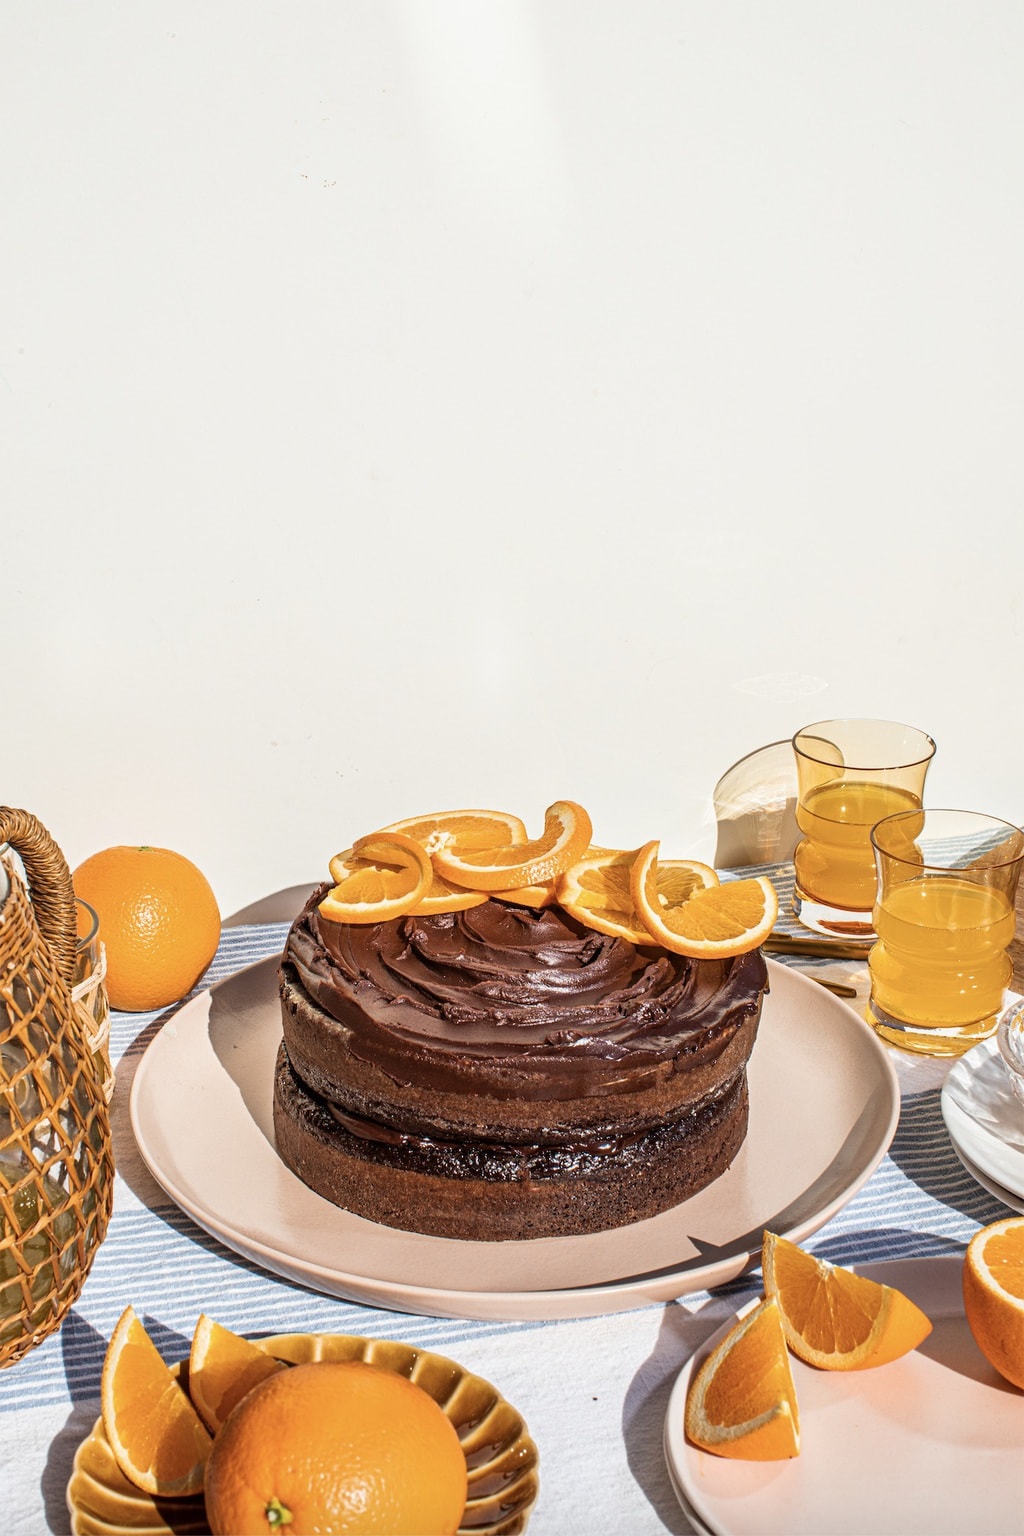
{"points": [[419, 404]]}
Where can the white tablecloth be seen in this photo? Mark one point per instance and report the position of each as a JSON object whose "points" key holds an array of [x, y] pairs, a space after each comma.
{"points": [[593, 1392]]}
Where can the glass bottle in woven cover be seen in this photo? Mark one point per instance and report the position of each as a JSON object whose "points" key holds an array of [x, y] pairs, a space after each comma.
{"points": [[56, 1164]]}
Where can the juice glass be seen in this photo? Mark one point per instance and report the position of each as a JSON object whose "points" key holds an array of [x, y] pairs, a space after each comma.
{"points": [[850, 775], [945, 916]]}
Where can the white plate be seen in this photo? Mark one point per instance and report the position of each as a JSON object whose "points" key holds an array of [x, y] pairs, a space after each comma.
{"points": [[983, 1117], [824, 1107], [989, 1185], [927, 1446]]}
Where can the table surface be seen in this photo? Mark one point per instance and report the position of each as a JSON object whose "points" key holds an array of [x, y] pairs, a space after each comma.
{"points": [[593, 1392]]}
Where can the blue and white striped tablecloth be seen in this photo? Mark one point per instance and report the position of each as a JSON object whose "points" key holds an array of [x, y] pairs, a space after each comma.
{"points": [[593, 1391]]}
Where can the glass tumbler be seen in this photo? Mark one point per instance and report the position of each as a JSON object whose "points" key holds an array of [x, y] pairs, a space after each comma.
{"points": [[945, 916], [850, 774]]}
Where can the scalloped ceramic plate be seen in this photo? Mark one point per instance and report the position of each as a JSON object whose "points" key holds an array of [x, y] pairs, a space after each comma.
{"points": [[501, 1458]]}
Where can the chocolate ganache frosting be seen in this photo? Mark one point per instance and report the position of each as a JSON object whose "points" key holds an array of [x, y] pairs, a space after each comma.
{"points": [[531, 1002]]}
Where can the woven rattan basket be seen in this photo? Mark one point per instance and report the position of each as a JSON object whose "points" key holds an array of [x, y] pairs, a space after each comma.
{"points": [[56, 1163]]}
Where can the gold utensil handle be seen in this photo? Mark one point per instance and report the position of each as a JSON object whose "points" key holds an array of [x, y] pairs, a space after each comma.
{"points": [[829, 949]]}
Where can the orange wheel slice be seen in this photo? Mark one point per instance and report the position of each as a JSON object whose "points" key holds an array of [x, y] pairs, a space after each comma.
{"points": [[742, 1402], [380, 877], [543, 895], [701, 917], [158, 1439], [833, 1318], [993, 1283], [222, 1368], [596, 891], [462, 831], [566, 835]]}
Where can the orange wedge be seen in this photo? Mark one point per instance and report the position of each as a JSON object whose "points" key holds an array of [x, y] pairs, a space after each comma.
{"points": [[380, 877], [701, 917], [993, 1283], [742, 1402], [158, 1439], [504, 867], [596, 891], [833, 1318], [222, 1368], [462, 831]]}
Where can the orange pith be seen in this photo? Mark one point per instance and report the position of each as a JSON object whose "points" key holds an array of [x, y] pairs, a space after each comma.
{"points": [[833, 1318], [159, 923], [337, 1447], [222, 1368], [596, 890], [692, 913], [158, 1439], [381, 876], [566, 834], [993, 1286], [741, 1403]]}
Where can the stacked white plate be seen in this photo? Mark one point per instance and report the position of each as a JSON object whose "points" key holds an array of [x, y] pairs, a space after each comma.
{"points": [[985, 1121]]}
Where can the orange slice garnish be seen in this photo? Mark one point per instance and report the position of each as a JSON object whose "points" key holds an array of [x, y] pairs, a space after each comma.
{"points": [[500, 868], [222, 1368], [158, 1440], [742, 1402], [380, 877], [596, 890], [462, 831], [543, 895], [833, 1318], [701, 917]]}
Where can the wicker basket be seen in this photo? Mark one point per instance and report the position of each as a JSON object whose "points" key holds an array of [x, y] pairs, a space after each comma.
{"points": [[56, 1162]]}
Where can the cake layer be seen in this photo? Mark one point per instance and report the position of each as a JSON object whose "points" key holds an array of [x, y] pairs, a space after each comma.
{"points": [[512, 1003], [484, 1190], [326, 1056]]}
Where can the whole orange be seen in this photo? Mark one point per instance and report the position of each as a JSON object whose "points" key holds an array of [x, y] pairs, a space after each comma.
{"points": [[336, 1447], [159, 923]]}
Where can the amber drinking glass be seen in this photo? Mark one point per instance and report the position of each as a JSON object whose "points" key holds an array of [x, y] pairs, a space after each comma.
{"points": [[945, 916], [850, 774]]}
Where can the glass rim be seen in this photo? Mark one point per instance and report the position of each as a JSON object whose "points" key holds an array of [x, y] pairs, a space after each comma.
{"points": [[992, 822], [817, 725], [83, 940]]}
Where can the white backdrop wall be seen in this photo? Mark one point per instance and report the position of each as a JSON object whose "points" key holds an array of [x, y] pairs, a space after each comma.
{"points": [[419, 404]]}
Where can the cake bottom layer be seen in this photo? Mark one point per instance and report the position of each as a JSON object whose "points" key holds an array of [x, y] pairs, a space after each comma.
{"points": [[490, 1192]]}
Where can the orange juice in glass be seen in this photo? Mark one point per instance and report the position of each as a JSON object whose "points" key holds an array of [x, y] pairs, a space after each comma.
{"points": [[850, 775], [945, 916]]}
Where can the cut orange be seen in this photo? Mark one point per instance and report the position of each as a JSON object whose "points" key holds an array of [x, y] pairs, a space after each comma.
{"points": [[380, 877], [542, 895], [462, 831], [701, 917], [993, 1283], [222, 1368], [742, 1402], [833, 1318], [158, 1440], [503, 867], [596, 891]]}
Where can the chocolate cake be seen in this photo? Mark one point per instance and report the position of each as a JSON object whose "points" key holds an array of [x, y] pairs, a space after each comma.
{"points": [[505, 1072]]}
